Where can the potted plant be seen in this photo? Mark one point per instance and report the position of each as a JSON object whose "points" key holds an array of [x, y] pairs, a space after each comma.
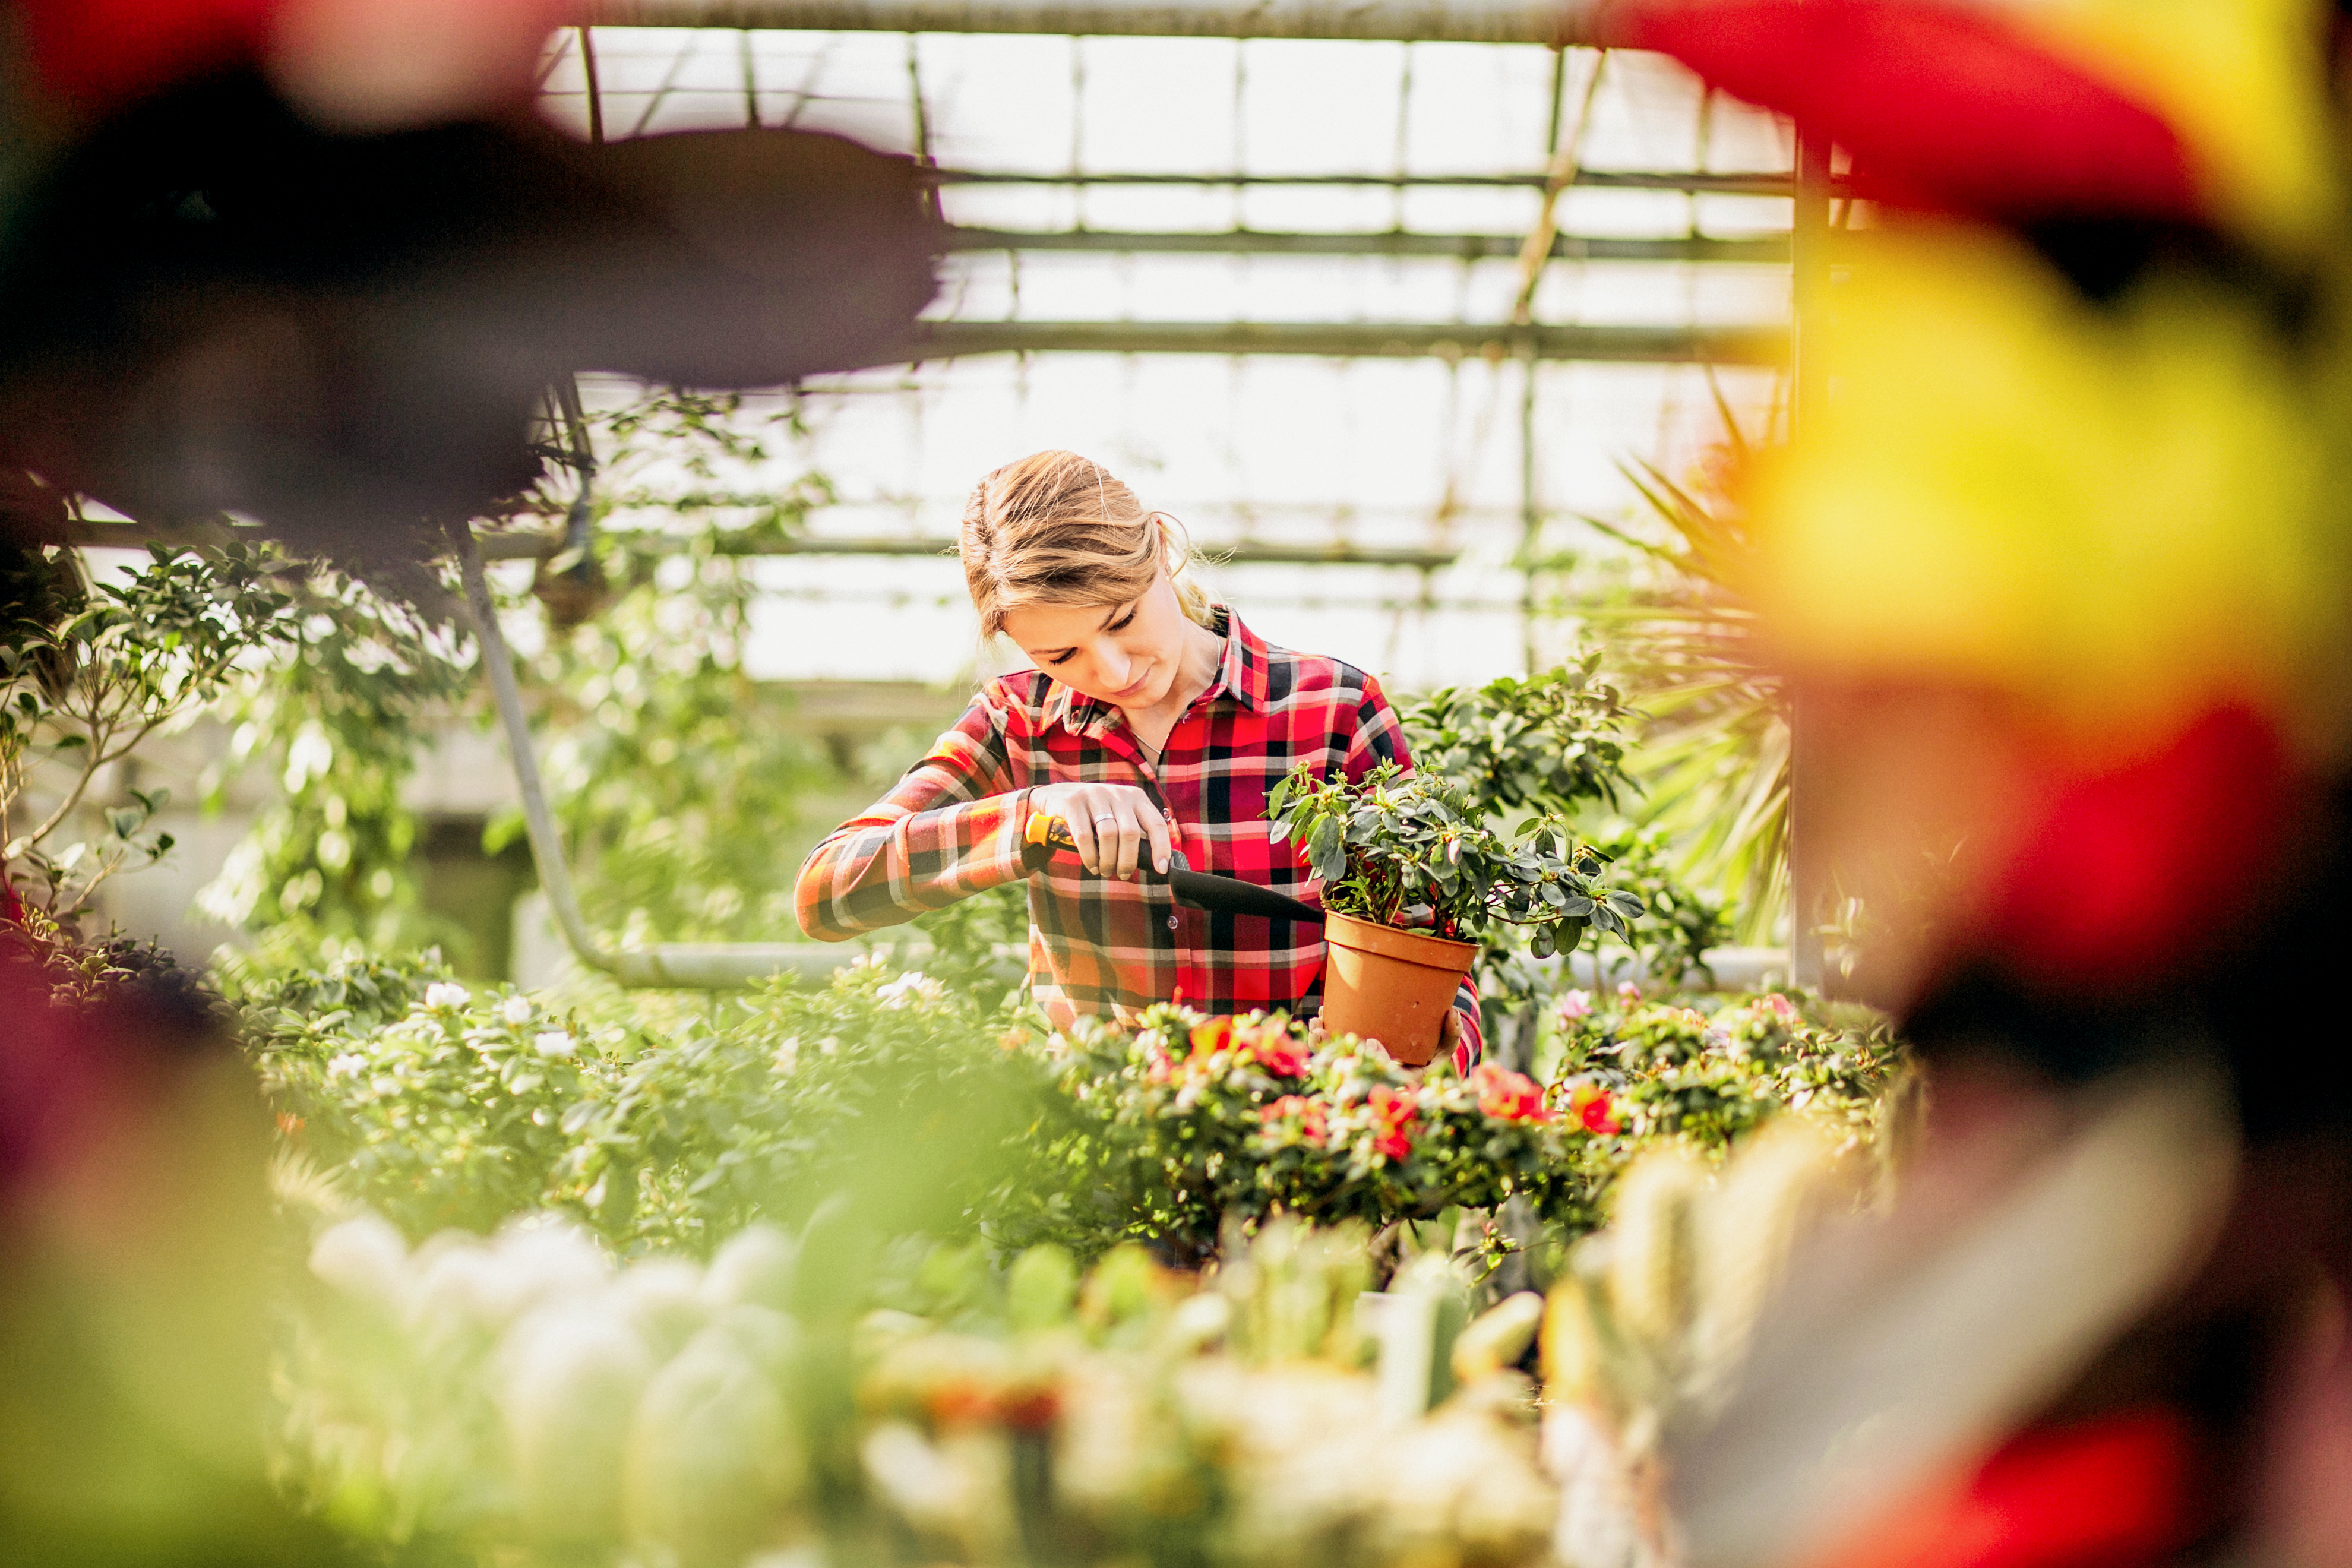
{"points": [[1414, 878]]}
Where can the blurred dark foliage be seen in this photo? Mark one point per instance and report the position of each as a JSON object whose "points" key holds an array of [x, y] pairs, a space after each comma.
{"points": [[209, 305]]}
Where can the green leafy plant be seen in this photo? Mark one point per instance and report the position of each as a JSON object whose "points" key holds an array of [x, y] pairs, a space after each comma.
{"points": [[1549, 742], [1558, 744], [670, 764], [1410, 849], [87, 674], [442, 1105], [339, 716], [1669, 1070]]}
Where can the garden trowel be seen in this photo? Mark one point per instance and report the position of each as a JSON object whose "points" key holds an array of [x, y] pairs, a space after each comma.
{"points": [[1193, 889]]}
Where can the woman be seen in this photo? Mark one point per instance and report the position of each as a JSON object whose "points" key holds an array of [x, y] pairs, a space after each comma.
{"points": [[1153, 720]]}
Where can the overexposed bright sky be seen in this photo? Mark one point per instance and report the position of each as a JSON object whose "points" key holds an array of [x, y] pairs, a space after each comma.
{"points": [[1376, 451]]}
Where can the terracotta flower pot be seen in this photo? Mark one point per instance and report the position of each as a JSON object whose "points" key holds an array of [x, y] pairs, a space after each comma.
{"points": [[1389, 985]]}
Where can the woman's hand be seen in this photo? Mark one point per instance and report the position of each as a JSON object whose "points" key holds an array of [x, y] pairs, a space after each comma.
{"points": [[1449, 1037], [1111, 823]]}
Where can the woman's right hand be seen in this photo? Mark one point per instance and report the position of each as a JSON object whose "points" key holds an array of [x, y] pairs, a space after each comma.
{"points": [[1111, 824]]}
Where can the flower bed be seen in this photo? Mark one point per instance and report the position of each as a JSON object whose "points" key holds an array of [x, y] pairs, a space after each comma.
{"points": [[439, 1109]]}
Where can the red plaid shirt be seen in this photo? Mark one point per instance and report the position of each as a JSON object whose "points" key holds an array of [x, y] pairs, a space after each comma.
{"points": [[954, 825]]}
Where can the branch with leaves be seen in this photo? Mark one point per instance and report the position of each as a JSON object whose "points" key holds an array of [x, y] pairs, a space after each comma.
{"points": [[88, 673], [1409, 850]]}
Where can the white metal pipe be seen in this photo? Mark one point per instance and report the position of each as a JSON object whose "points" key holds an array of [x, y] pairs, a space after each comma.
{"points": [[538, 823], [1563, 22]]}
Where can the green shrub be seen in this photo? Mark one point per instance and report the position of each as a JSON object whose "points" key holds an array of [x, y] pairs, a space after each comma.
{"points": [[442, 1108]]}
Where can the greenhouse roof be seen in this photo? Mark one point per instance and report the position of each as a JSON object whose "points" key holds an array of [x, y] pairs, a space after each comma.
{"points": [[1283, 284]]}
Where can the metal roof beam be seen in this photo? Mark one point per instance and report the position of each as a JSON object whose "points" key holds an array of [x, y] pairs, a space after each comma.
{"points": [[534, 544], [1686, 180], [1769, 248], [1357, 340], [1559, 23], [522, 544]]}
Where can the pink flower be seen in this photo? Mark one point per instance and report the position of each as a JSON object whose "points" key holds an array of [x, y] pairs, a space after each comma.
{"points": [[1782, 1008], [1594, 1110], [1392, 1112], [1508, 1096], [1628, 993], [1574, 1005]]}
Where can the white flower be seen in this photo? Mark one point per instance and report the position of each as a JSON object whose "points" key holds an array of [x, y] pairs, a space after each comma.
{"points": [[572, 1373], [346, 1065], [712, 1454], [912, 985], [446, 993], [364, 1257], [517, 1010], [555, 1043]]}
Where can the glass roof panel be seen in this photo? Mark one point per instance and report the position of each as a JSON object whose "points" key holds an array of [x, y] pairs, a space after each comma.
{"points": [[1416, 453]]}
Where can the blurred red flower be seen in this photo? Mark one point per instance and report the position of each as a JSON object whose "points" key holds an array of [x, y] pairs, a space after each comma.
{"points": [[1313, 1118], [1594, 1110], [1217, 1034], [1392, 1112], [1508, 1096], [1278, 1051]]}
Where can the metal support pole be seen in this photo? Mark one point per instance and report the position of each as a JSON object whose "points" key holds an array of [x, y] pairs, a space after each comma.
{"points": [[1809, 240], [546, 844], [685, 965], [1530, 515]]}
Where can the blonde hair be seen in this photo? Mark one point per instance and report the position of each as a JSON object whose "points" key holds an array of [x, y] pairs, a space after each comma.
{"points": [[1056, 529]]}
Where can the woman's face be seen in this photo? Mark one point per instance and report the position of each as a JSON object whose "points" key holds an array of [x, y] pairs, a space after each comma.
{"points": [[1127, 654]]}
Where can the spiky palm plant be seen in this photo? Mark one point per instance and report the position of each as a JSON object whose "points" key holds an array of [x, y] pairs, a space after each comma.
{"points": [[1716, 758]]}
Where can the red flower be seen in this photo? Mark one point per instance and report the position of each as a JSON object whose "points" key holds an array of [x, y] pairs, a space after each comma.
{"points": [[1594, 1110], [1508, 1096], [1209, 1038], [1314, 1122], [1276, 1051], [1392, 1112], [1029, 1409]]}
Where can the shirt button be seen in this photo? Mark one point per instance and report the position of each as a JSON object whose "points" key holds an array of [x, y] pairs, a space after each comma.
{"points": [[1171, 922]]}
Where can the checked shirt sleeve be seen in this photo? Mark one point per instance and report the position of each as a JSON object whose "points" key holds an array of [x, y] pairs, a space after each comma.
{"points": [[1378, 735], [950, 828]]}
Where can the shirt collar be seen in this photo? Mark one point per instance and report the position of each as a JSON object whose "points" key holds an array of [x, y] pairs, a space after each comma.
{"points": [[1240, 673]]}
